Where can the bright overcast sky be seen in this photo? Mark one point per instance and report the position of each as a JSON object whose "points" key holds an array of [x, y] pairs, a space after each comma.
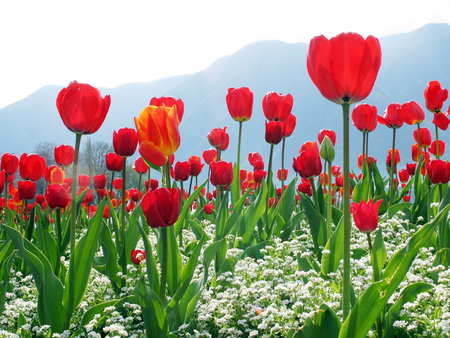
{"points": [[108, 43]]}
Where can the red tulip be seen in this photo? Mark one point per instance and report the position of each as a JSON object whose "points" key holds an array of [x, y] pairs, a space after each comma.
{"points": [[282, 175], [345, 67], [435, 96], [55, 175], [413, 113], [219, 138], [182, 170], [114, 162], [117, 183], [289, 125], [274, 132], [403, 175], [441, 121], [393, 116], [365, 215], [2, 181], [415, 154], [100, 181], [209, 155], [221, 173], [196, 165], [161, 206], [396, 158], [140, 166], [88, 198], [305, 187], [64, 155], [208, 208], [137, 256], [364, 117], [27, 189], [425, 137], [125, 141], [335, 170], [438, 171], [169, 101], [240, 103], [10, 163], [277, 107], [57, 196], [253, 158], [84, 180], [82, 108], [153, 184], [259, 175], [308, 163], [325, 132], [433, 149], [411, 168], [32, 166]]}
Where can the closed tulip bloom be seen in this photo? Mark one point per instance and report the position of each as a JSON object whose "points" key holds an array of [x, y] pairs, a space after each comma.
{"points": [[345, 67], [161, 206], [135, 194], [114, 162], [196, 165], [57, 196], [253, 158], [137, 256], [10, 163], [396, 157], [403, 175], [441, 121], [411, 168], [309, 146], [219, 138], [125, 141], [209, 155], [413, 113], [325, 132], [274, 132], [182, 170], [289, 125], [365, 215], [208, 208], [433, 149], [32, 166], [277, 107], [221, 173], [64, 155], [82, 108], [369, 160], [27, 189], [305, 187], [438, 171], [425, 137], [152, 184], [258, 165], [435, 96], [117, 183], [100, 181], [393, 116], [2, 181], [169, 101], [282, 174], [84, 180], [308, 163], [364, 117], [55, 175], [140, 166], [259, 175], [158, 133], [240, 103], [415, 154]]}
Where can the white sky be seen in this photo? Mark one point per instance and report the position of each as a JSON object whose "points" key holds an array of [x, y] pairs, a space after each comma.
{"points": [[108, 43]]}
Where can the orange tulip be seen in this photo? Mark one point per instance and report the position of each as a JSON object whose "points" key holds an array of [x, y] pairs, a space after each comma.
{"points": [[158, 133]]}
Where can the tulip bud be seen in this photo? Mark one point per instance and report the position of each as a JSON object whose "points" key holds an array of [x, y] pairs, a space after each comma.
{"points": [[327, 150]]}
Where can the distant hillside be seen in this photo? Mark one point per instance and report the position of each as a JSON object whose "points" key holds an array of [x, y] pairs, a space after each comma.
{"points": [[410, 61]]}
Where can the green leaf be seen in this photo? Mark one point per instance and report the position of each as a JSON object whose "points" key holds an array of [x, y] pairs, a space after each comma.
{"points": [[378, 255], [393, 209], [362, 189], [252, 214], [150, 261], [370, 304], [209, 254], [235, 186], [51, 310], [334, 250], [99, 308], [408, 295], [132, 232], [324, 324], [174, 262], [45, 241], [84, 253], [6, 259], [442, 258], [235, 215], [317, 223], [286, 204], [152, 308], [178, 226]]}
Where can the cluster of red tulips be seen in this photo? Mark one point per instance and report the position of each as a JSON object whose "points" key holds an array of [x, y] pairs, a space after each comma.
{"points": [[246, 204]]}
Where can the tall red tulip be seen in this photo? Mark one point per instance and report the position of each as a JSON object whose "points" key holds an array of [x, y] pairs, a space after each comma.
{"points": [[365, 215], [435, 96], [10, 163], [413, 113], [125, 141], [196, 165], [182, 170], [277, 107], [308, 163], [32, 167], [140, 166], [209, 155], [425, 137], [221, 173], [438, 171], [326, 132], [114, 162], [64, 155], [240, 103], [82, 108], [27, 189], [169, 101], [57, 196], [433, 148], [393, 116], [100, 181], [364, 117], [161, 206], [84, 180], [219, 138], [289, 125], [274, 132]]}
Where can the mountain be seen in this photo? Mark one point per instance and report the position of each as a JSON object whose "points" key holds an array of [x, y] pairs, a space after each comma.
{"points": [[409, 62]]}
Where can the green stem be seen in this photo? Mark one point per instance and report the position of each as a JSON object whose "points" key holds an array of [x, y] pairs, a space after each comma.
{"points": [[438, 153], [239, 157], [269, 186], [148, 178], [58, 230], [180, 237], [283, 145], [367, 144], [347, 222], [139, 184], [190, 187], [164, 243], [391, 172], [369, 241], [111, 183], [6, 191], [72, 276], [209, 173], [330, 203], [123, 259]]}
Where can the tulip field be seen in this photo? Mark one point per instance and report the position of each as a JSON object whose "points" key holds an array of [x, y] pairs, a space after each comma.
{"points": [[301, 248]]}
